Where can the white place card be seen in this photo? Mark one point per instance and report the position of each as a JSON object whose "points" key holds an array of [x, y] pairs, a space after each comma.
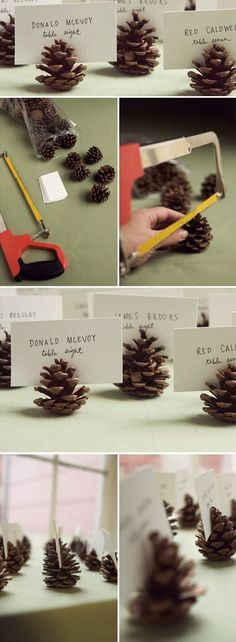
{"points": [[89, 28], [28, 308], [208, 496], [158, 316], [227, 490], [207, 5], [108, 545], [8, 6], [86, 344], [221, 307], [194, 31], [141, 512], [174, 486], [203, 295], [199, 353], [4, 530], [152, 10], [226, 4]]}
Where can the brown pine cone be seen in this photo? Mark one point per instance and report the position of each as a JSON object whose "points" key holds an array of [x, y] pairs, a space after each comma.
{"points": [[72, 159], [189, 515], [92, 562], [47, 151], [169, 590], [190, 5], [216, 75], [208, 186], [5, 361], [143, 185], [61, 66], [143, 371], [5, 576], [105, 174], [221, 545], [26, 548], [14, 558], [172, 517], [7, 42], [199, 235], [99, 194], [79, 547], [65, 576], [136, 52], [67, 140], [93, 155], [80, 172], [108, 569], [221, 403], [233, 513], [61, 386], [168, 172], [176, 196]]}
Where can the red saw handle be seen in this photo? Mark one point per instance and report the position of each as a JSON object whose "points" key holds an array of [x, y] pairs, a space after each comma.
{"points": [[130, 169], [14, 246]]}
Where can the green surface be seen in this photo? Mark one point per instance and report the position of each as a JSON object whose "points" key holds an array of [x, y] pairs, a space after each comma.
{"points": [[103, 80], [211, 618], [87, 232], [32, 613], [113, 422]]}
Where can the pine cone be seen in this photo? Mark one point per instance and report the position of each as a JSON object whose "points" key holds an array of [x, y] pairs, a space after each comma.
{"points": [[59, 63], [143, 372], [204, 323], [105, 174], [199, 235], [5, 362], [189, 515], [169, 591], [80, 172], [168, 172], [60, 385], [176, 196], [108, 569], [99, 194], [190, 5], [221, 545], [79, 547], [72, 159], [67, 140], [73, 544], [233, 513], [92, 562], [208, 186], [216, 76], [47, 151], [14, 558], [65, 576], [93, 155], [172, 518], [7, 42], [222, 402], [5, 576], [143, 185], [26, 548], [136, 53]]}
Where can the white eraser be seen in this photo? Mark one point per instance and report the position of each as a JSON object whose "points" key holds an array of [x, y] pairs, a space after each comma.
{"points": [[52, 187]]}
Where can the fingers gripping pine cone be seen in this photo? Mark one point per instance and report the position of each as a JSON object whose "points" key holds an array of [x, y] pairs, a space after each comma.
{"points": [[62, 388], [109, 569], [199, 235], [5, 362], [189, 515], [136, 52], [7, 42], [92, 562], [65, 576], [172, 518], [5, 576], [61, 66], [169, 590], [221, 545], [221, 402], [216, 74], [143, 371]]}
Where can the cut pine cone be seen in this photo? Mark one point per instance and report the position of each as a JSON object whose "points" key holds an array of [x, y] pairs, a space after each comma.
{"points": [[221, 404], [62, 388], [108, 569], [216, 75], [199, 235], [136, 52], [208, 186], [172, 518], [189, 514], [169, 591], [59, 577], [92, 562], [61, 66], [5, 362], [7, 42], [5, 576], [143, 372], [221, 545]]}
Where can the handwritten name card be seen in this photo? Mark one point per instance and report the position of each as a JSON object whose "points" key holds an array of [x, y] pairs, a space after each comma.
{"points": [[227, 490], [28, 308], [221, 308], [8, 6], [152, 10], [90, 28], [208, 496], [174, 486], [86, 344]]}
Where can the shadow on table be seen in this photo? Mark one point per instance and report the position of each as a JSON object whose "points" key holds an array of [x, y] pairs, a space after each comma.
{"points": [[218, 565], [205, 420], [173, 631], [37, 88], [108, 72], [34, 413]]}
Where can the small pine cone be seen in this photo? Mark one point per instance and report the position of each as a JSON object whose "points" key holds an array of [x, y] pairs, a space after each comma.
{"points": [[5, 362], [169, 590], [221, 404], [99, 194], [216, 75], [65, 576], [108, 569], [92, 562], [189, 515], [26, 548], [47, 151], [143, 371], [136, 52], [62, 388], [72, 159], [105, 174], [199, 235], [7, 42], [176, 197], [233, 513], [208, 186], [14, 558], [5, 576], [142, 186], [81, 549], [221, 545], [167, 172], [93, 155], [172, 518], [67, 140], [73, 544], [61, 66], [80, 172]]}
